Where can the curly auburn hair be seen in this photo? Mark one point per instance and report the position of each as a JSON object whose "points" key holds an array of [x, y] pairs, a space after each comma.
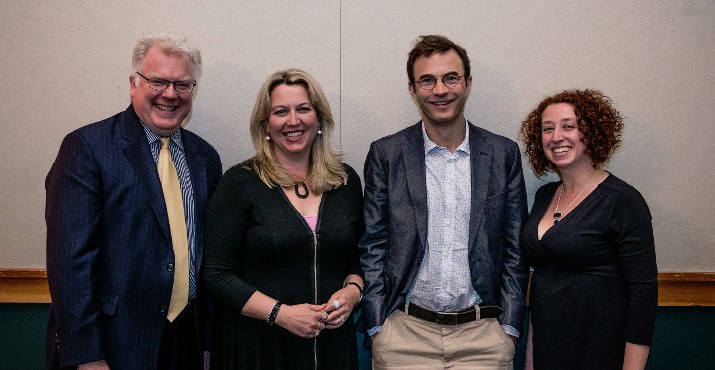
{"points": [[600, 123]]}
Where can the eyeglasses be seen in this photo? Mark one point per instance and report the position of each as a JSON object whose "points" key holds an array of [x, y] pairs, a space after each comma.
{"points": [[429, 83], [160, 84]]}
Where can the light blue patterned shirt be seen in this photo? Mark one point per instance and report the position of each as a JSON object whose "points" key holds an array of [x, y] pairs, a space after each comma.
{"points": [[444, 282]]}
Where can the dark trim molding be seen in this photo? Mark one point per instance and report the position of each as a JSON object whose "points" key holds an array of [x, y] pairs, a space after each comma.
{"points": [[674, 288]]}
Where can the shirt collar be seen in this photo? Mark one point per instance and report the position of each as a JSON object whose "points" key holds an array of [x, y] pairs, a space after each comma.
{"points": [[152, 137], [429, 144]]}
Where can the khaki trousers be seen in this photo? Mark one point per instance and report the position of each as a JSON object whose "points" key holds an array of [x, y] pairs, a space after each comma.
{"points": [[406, 342]]}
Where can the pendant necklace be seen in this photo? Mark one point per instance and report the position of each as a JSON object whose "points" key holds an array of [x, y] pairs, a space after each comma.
{"points": [[557, 214], [299, 184], [305, 193]]}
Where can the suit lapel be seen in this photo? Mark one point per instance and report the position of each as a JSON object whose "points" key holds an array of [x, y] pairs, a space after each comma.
{"points": [[413, 154], [139, 155], [480, 163]]}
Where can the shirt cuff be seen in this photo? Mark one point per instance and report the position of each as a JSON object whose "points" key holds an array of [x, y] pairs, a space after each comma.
{"points": [[374, 330], [511, 330]]}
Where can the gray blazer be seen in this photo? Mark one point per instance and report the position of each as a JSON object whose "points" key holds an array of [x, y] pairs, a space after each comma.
{"points": [[395, 211]]}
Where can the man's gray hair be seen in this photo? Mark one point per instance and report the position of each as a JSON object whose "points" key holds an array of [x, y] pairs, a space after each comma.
{"points": [[170, 44]]}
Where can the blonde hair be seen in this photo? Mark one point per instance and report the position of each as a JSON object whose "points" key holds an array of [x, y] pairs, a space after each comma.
{"points": [[325, 171]]}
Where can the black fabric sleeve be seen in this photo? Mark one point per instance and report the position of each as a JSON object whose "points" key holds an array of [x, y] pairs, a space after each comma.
{"points": [[227, 218], [636, 254]]}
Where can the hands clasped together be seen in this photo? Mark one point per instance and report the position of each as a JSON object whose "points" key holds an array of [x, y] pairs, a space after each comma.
{"points": [[308, 320]]}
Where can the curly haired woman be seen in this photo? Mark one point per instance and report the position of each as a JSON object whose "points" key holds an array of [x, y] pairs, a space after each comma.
{"points": [[589, 238]]}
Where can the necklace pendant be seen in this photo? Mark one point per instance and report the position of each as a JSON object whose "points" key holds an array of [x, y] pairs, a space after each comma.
{"points": [[305, 189], [557, 217]]}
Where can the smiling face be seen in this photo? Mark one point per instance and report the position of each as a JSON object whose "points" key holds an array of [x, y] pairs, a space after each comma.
{"points": [[442, 105], [162, 111], [292, 123], [561, 138]]}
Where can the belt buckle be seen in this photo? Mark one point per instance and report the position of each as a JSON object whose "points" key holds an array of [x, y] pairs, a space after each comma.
{"points": [[447, 318]]}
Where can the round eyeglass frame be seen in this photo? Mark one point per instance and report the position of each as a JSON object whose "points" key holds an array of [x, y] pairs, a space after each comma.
{"points": [[450, 85]]}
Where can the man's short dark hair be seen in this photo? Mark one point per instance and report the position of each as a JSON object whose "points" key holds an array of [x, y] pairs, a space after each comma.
{"points": [[426, 45]]}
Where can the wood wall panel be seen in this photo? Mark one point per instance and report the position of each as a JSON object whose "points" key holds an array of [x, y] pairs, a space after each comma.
{"points": [[674, 288]]}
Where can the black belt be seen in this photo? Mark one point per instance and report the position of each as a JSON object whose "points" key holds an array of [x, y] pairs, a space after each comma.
{"points": [[453, 318]]}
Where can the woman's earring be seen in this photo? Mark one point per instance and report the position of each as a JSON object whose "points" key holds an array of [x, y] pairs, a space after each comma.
{"points": [[265, 127], [320, 131]]}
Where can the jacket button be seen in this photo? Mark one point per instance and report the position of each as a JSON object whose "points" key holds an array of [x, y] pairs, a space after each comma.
{"points": [[163, 309], [170, 267]]}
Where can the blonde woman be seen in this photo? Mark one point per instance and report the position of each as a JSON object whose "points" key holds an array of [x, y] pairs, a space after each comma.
{"points": [[282, 232]]}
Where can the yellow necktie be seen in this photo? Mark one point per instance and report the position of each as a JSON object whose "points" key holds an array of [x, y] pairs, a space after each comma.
{"points": [[177, 223]]}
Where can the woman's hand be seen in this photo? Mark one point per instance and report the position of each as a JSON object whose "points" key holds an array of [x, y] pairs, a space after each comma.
{"points": [[340, 306], [303, 320]]}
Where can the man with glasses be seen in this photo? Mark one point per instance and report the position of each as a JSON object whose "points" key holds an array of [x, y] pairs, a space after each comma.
{"points": [[125, 205], [444, 204]]}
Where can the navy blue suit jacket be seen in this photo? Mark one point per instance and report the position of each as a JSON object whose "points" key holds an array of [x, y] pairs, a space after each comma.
{"points": [[393, 245], [109, 245]]}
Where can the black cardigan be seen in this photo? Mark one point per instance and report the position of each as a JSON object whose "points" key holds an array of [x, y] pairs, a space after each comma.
{"points": [[256, 240]]}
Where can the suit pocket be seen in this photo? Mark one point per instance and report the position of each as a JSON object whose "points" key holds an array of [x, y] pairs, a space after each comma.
{"points": [[108, 303]]}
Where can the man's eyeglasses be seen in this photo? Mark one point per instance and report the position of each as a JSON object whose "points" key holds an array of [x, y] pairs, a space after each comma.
{"points": [[160, 84], [429, 83]]}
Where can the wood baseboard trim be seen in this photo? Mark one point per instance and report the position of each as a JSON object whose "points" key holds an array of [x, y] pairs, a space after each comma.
{"points": [[24, 286], [675, 289], [686, 289]]}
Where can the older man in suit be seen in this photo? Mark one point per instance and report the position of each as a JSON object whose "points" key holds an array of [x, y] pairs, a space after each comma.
{"points": [[444, 202], [125, 203]]}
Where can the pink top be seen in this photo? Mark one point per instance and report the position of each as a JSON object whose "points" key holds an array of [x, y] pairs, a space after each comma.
{"points": [[312, 221]]}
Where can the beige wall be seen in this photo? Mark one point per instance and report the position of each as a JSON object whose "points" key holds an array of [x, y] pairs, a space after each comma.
{"points": [[66, 63]]}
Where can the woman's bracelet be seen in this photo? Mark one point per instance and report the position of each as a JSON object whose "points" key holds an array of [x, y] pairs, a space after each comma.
{"points": [[357, 286], [271, 319]]}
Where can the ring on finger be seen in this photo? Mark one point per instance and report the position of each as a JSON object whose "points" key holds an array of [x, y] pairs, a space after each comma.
{"points": [[323, 316], [336, 304], [317, 332]]}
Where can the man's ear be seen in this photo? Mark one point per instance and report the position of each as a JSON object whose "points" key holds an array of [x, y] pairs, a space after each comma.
{"points": [[132, 86]]}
